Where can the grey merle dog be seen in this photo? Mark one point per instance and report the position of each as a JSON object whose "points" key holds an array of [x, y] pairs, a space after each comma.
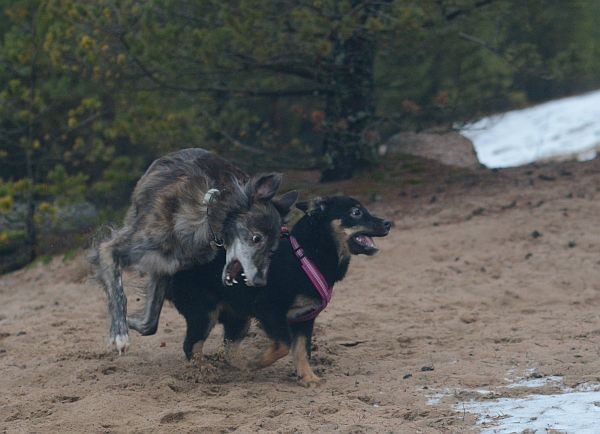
{"points": [[187, 205]]}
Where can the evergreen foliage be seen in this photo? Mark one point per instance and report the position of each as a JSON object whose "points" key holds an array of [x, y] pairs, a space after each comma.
{"points": [[92, 91]]}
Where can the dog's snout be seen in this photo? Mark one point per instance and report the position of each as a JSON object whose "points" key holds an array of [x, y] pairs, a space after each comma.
{"points": [[387, 224]]}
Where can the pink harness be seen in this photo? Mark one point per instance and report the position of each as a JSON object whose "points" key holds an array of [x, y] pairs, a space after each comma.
{"points": [[316, 278]]}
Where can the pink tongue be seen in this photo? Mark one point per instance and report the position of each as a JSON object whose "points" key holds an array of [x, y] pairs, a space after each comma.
{"points": [[364, 240], [235, 269]]}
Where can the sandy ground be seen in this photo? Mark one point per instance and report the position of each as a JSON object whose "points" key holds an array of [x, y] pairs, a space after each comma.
{"points": [[481, 281]]}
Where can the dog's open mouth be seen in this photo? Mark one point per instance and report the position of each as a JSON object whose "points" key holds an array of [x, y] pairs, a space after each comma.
{"points": [[363, 244], [233, 272], [365, 241]]}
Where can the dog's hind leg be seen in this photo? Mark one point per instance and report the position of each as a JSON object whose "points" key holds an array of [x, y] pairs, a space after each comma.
{"points": [[301, 348], [278, 330], [109, 273], [276, 351], [146, 322]]}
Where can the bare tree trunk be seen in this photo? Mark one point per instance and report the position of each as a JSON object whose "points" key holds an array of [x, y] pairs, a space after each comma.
{"points": [[350, 107], [30, 231]]}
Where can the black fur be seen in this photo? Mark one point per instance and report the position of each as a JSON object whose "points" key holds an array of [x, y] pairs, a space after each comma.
{"points": [[199, 295]]}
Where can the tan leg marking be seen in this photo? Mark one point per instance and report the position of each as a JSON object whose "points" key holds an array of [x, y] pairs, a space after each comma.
{"points": [[274, 353], [198, 361], [307, 377], [197, 353]]}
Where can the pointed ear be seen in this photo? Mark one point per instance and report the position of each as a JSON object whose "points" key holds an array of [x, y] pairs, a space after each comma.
{"points": [[315, 207], [319, 204], [285, 203], [302, 206], [264, 187]]}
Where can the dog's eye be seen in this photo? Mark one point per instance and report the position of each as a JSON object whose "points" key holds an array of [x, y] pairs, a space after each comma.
{"points": [[355, 212], [256, 238]]}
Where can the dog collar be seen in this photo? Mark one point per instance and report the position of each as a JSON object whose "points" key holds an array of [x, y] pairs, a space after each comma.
{"points": [[316, 278]]}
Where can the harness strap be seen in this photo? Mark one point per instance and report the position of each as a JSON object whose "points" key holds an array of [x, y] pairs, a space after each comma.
{"points": [[316, 278]]}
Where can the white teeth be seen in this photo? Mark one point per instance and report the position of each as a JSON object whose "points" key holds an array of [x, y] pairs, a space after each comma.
{"points": [[243, 274], [235, 281]]}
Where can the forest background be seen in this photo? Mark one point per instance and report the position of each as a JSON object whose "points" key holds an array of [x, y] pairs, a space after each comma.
{"points": [[92, 91]]}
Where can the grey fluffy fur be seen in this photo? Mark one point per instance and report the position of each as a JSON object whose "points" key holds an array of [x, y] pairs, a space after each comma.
{"points": [[167, 228]]}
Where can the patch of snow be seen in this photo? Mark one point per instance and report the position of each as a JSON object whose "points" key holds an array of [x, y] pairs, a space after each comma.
{"points": [[535, 382], [584, 387], [438, 396], [484, 391], [575, 412], [568, 127]]}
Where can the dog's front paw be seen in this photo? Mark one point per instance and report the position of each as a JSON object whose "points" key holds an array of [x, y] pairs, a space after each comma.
{"points": [[120, 341], [275, 352], [205, 369], [310, 380]]}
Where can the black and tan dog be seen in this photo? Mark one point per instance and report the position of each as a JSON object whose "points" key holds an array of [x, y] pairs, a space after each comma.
{"points": [[331, 230], [187, 204]]}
